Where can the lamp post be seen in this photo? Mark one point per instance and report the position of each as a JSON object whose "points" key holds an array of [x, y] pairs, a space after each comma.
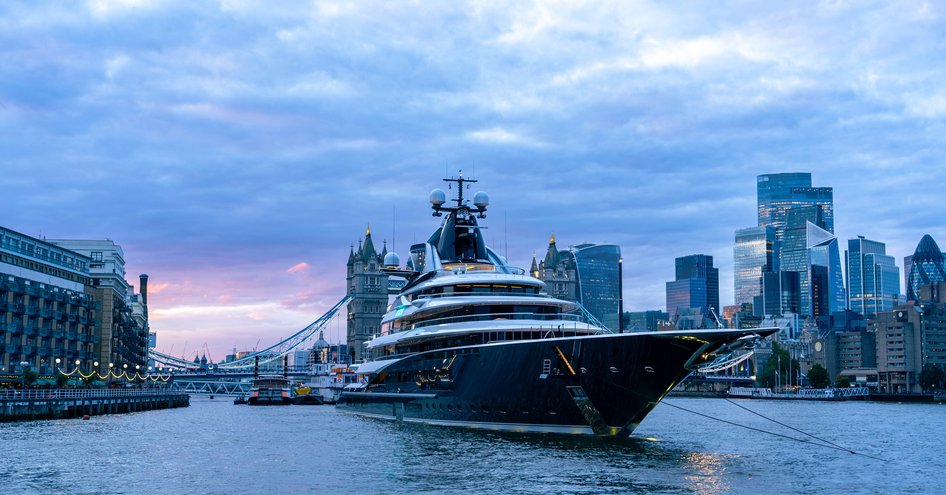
{"points": [[24, 365]]}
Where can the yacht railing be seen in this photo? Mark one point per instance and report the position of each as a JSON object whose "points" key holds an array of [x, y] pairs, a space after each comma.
{"points": [[574, 318], [482, 293], [482, 268]]}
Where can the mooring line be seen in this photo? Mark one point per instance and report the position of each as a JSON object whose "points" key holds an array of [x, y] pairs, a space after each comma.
{"points": [[785, 425], [789, 437], [827, 445]]}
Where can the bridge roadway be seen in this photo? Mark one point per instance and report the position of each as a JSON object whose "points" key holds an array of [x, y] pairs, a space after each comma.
{"points": [[229, 383]]}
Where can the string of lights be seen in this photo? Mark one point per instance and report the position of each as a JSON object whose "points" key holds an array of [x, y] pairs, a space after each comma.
{"points": [[124, 375]]}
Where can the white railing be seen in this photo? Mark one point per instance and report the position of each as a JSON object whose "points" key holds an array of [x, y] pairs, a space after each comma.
{"points": [[80, 393]]}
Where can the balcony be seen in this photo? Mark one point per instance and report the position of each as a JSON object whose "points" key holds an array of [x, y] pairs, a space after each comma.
{"points": [[60, 351], [13, 349], [32, 290], [14, 328], [30, 331], [45, 352], [72, 317], [46, 312], [27, 349], [83, 319], [17, 308], [71, 335], [58, 334], [46, 332]]}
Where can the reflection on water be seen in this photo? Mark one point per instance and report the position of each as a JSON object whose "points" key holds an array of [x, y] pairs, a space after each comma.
{"points": [[216, 447]]}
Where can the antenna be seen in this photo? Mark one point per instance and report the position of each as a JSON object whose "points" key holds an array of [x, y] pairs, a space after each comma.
{"points": [[394, 227]]}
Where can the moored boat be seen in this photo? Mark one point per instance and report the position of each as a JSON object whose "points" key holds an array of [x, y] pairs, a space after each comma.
{"points": [[269, 390], [470, 341]]}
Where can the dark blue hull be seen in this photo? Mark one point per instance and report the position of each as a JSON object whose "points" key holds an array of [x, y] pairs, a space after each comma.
{"points": [[601, 385]]}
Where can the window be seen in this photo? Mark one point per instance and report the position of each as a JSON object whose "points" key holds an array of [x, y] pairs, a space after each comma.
{"points": [[96, 256]]}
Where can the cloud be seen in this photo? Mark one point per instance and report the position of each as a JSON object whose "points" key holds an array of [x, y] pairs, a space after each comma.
{"points": [[256, 137], [299, 267]]}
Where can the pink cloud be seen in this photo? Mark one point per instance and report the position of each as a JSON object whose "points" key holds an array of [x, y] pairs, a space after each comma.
{"points": [[299, 267], [158, 288]]}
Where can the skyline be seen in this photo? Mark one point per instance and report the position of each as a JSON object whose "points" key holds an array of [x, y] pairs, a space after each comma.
{"points": [[235, 152]]}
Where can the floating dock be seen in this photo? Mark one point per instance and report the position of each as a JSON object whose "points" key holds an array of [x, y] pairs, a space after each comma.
{"points": [[16, 405]]}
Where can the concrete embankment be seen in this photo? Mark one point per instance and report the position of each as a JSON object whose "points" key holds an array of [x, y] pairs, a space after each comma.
{"points": [[18, 405]]}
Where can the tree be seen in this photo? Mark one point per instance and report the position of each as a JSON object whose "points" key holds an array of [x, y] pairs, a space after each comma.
{"points": [[62, 380], [771, 375], [818, 376], [842, 382], [29, 377], [932, 377]]}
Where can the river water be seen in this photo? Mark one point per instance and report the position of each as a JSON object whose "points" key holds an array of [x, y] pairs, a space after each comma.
{"points": [[216, 447]]}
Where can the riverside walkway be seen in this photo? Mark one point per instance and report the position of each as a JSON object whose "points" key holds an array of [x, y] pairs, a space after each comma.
{"points": [[70, 403]]}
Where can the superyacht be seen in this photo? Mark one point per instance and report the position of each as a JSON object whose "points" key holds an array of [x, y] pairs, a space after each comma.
{"points": [[470, 341]]}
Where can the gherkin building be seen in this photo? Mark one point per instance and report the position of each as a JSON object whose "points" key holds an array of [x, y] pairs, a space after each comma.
{"points": [[927, 267]]}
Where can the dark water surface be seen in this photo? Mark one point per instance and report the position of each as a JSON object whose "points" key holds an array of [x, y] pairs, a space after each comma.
{"points": [[216, 447]]}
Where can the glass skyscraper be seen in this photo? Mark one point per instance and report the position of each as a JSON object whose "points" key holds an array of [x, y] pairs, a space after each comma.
{"points": [[779, 193], [754, 253], [813, 253], [873, 279], [598, 273], [926, 267], [696, 285]]}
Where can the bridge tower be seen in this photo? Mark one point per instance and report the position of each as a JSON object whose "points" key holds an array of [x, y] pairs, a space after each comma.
{"points": [[368, 287]]}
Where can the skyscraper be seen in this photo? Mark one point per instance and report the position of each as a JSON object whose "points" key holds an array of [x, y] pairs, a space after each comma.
{"points": [[813, 253], [696, 285], [753, 254], [872, 277], [926, 267], [589, 274], [779, 193]]}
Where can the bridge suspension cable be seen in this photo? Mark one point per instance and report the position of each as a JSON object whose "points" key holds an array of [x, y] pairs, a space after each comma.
{"points": [[269, 354], [725, 362]]}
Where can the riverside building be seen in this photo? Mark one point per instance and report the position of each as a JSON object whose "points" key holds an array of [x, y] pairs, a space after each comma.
{"points": [[122, 324], [65, 304], [47, 310]]}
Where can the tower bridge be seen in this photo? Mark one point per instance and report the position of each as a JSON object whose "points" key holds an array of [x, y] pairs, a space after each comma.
{"points": [[232, 377]]}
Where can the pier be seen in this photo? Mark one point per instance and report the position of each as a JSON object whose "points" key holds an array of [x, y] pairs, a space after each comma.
{"points": [[70, 403]]}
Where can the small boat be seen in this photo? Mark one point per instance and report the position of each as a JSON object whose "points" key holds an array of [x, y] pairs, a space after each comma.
{"points": [[303, 396], [240, 400], [270, 390]]}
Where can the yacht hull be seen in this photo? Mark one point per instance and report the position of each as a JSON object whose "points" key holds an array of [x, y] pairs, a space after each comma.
{"points": [[599, 385]]}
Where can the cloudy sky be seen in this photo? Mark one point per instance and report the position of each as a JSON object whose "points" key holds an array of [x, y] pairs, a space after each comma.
{"points": [[237, 148]]}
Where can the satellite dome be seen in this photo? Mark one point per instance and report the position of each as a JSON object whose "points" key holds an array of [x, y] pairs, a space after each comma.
{"points": [[481, 199], [438, 197], [391, 259]]}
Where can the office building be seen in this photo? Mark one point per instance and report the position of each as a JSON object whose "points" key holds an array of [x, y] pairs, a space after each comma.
{"points": [[925, 267], [754, 253], [696, 286], [589, 274], [780, 193], [872, 278], [640, 321], [812, 252]]}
